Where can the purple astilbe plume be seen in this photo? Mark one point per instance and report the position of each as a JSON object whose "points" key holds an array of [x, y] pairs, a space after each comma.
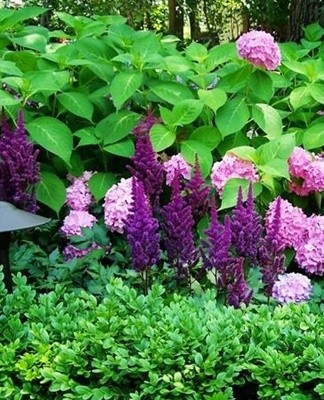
{"points": [[177, 226], [271, 257], [246, 227], [142, 231], [146, 167], [238, 291], [217, 246], [197, 193], [19, 170]]}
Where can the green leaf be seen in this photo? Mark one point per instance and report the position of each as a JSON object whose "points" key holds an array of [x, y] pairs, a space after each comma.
{"points": [[116, 126], [313, 32], [50, 81], [33, 41], [7, 99], [276, 167], [261, 85], [313, 137], [244, 152], [220, 54], [177, 64], [87, 136], [281, 147], [213, 99], [316, 90], [53, 135], [268, 119], [161, 137], [171, 92], [100, 182], [186, 111], [232, 116], [191, 148], [9, 68], [230, 191], [197, 52], [124, 148], [76, 103], [233, 82], [207, 135], [124, 85], [300, 97], [51, 191]]}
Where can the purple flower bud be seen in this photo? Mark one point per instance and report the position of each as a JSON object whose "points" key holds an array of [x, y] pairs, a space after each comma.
{"points": [[238, 290]]}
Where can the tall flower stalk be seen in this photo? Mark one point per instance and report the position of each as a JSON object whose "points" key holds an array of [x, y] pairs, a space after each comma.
{"points": [[19, 169]]}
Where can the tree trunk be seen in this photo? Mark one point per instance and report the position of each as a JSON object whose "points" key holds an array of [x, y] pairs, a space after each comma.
{"points": [[176, 20], [303, 13]]}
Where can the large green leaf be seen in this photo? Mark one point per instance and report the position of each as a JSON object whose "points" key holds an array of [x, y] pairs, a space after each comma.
{"points": [[186, 111], [51, 81], [7, 99], [281, 148], [300, 97], [213, 99], [116, 126], [87, 136], [230, 191], [76, 103], [244, 152], [171, 92], [261, 85], [232, 116], [220, 54], [196, 52], [268, 119], [177, 64], [100, 182], [276, 167], [207, 135], [124, 85], [124, 148], [192, 148], [161, 137], [313, 137], [51, 191], [316, 90], [9, 68], [53, 135], [33, 41]]}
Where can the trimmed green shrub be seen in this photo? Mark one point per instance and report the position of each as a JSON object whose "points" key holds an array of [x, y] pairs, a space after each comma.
{"points": [[64, 345]]}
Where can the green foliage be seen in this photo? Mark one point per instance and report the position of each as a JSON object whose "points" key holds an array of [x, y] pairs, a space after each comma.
{"points": [[68, 345]]}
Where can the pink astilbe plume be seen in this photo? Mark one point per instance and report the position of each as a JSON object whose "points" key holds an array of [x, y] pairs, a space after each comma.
{"points": [[19, 170], [232, 166], [117, 205], [260, 49]]}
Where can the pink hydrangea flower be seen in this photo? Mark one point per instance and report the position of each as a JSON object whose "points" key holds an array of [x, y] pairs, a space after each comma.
{"points": [[117, 205], [292, 287], [174, 164], [75, 221], [310, 253], [293, 223], [260, 49], [78, 196], [232, 167]]}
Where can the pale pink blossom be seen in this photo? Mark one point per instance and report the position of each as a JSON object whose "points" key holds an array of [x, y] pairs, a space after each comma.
{"points": [[292, 287], [176, 164], [75, 221]]}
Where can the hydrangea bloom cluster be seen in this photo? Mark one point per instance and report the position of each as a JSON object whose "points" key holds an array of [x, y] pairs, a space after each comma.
{"points": [[117, 205], [75, 221], [293, 223], [71, 251], [19, 170], [176, 165], [229, 167], [177, 226], [142, 231], [260, 49], [246, 227], [146, 167], [292, 287], [78, 196], [306, 171], [310, 253]]}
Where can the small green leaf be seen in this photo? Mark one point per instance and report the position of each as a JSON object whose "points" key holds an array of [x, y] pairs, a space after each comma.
{"points": [[124, 85], [313, 137], [161, 137], [207, 135], [9, 68], [51, 191], [177, 64], [316, 90], [116, 126], [232, 116], [171, 92], [32, 41], [261, 85], [214, 99], [220, 54], [276, 167], [186, 111], [300, 97], [230, 191], [197, 52], [76, 103], [87, 136], [50, 81], [7, 99], [53, 135], [192, 148], [100, 182], [268, 119], [244, 152], [124, 148], [281, 147]]}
